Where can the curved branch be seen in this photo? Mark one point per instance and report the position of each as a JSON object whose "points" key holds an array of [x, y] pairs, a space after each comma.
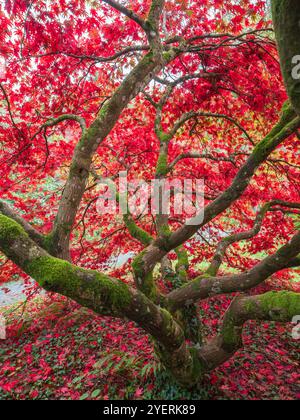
{"points": [[242, 236], [273, 306], [109, 296], [228, 41], [288, 125], [188, 116], [206, 286], [174, 83], [135, 231], [97, 59], [8, 106], [227, 35], [149, 99], [199, 156], [33, 233], [52, 122], [129, 13], [96, 291]]}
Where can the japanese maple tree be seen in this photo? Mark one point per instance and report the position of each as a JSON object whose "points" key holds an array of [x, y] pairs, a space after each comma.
{"points": [[183, 89]]}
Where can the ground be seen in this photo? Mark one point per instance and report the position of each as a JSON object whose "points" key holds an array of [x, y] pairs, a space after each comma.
{"points": [[61, 351]]}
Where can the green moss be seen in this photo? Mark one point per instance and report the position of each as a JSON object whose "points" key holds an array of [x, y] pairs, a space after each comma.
{"points": [[168, 322], [165, 231], [162, 167], [231, 335], [196, 284], [183, 259], [189, 320], [283, 305], [10, 230], [277, 6], [148, 58], [136, 232], [62, 277], [48, 243], [168, 55], [182, 266], [51, 272], [145, 282], [163, 136], [182, 274], [154, 5], [198, 368], [250, 306], [287, 114], [267, 144], [104, 110], [138, 265]]}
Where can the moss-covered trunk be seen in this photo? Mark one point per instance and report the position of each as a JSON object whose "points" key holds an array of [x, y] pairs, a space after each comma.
{"points": [[286, 18]]}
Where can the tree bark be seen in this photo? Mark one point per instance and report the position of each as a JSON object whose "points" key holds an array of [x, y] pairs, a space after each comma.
{"points": [[286, 18]]}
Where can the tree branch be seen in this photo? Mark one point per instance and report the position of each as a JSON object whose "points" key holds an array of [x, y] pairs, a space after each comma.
{"points": [[204, 287], [287, 126], [133, 84], [109, 296], [174, 83], [199, 156], [155, 12], [188, 116], [55, 121], [289, 45], [103, 294], [228, 41], [242, 236], [95, 58], [8, 105], [135, 231], [33, 233], [273, 306], [129, 13], [295, 263]]}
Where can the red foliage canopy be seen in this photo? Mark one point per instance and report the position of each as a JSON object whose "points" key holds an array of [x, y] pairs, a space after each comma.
{"points": [[63, 57]]}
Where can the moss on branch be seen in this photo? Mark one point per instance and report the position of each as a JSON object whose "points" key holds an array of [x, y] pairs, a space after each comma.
{"points": [[144, 280], [136, 232], [272, 306], [281, 306], [60, 276], [162, 167], [263, 148], [10, 231]]}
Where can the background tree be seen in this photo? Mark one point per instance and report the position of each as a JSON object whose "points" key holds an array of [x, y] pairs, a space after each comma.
{"points": [[158, 89]]}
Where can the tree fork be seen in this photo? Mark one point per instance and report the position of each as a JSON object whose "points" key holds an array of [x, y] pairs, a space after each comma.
{"points": [[98, 292], [286, 126]]}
